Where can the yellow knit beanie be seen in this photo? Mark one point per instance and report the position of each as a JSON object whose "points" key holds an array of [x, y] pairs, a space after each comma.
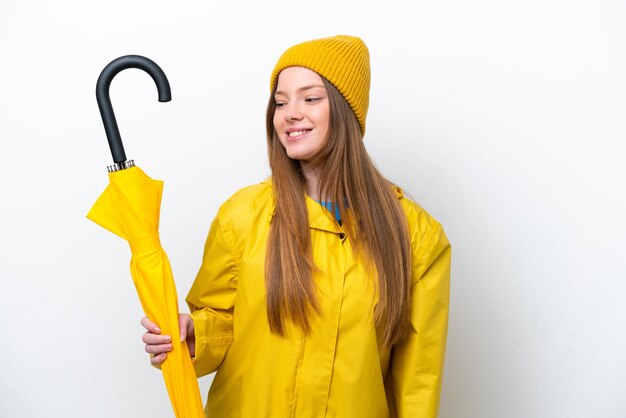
{"points": [[342, 60]]}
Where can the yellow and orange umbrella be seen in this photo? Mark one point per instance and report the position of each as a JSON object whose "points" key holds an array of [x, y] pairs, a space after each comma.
{"points": [[130, 207]]}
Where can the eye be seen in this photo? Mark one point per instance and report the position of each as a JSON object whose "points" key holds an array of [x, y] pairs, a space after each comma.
{"points": [[279, 104], [312, 99]]}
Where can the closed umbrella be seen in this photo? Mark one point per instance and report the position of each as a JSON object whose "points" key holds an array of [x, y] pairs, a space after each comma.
{"points": [[130, 207]]}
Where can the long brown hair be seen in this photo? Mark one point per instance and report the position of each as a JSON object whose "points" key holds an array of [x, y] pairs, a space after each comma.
{"points": [[372, 218]]}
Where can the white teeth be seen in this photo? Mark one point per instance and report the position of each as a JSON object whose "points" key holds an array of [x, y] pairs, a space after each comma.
{"points": [[297, 133]]}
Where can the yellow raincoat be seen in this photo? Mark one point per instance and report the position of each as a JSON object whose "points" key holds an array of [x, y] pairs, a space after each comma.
{"points": [[339, 369]]}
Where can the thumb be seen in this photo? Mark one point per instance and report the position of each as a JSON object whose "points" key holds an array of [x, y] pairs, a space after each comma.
{"points": [[182, 325]]}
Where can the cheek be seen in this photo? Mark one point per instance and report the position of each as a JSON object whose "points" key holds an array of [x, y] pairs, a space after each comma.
{"points": [[324, 117], [276, 121], [278, 128], [325, 123]]}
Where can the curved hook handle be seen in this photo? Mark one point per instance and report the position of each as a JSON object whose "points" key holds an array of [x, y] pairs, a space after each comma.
{"points": [[104, 100]]}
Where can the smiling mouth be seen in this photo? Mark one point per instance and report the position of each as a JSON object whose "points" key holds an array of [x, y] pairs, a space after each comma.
{"points": [[295, 134]]}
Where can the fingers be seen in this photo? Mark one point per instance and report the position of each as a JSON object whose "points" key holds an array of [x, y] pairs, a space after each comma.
{"points": [[157, 360], [156, 344], [157, 349], [185, 324], [159, 345], [150, 326], [153, 339]]}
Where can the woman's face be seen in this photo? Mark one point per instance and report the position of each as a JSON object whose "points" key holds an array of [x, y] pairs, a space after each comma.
{"points": [[302, 113]]}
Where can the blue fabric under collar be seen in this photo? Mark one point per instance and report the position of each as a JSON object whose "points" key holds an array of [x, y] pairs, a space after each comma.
{"points": [[329, 206]]}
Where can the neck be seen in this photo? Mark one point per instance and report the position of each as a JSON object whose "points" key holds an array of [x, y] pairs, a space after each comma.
{"points": [[311, 178]]}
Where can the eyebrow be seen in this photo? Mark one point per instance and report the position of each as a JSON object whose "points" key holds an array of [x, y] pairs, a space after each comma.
{"points": [[311, 86]]}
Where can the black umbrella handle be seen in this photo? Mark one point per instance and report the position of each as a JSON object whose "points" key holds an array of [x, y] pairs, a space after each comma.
{"points": [[104, 100]]}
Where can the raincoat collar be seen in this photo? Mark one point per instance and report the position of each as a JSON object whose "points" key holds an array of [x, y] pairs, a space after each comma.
{"points": [[319, 217]]}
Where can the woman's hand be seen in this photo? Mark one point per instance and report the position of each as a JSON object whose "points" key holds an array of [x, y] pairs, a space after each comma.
{"points": [[159, 345]]}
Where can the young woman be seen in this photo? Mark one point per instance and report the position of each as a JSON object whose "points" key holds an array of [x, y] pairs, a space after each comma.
{"points": [[323, 290]]}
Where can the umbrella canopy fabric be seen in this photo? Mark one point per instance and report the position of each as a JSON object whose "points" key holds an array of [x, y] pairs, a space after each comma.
{"points": [[130, 207]]}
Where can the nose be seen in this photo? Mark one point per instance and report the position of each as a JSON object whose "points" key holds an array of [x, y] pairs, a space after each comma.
{"points": [[293, 113]]}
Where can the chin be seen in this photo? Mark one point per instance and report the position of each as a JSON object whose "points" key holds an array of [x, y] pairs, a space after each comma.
{"points": [[299, 155]]}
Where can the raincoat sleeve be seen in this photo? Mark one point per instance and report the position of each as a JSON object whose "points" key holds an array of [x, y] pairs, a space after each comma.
{"points": [[212, 297], [417, 361]]}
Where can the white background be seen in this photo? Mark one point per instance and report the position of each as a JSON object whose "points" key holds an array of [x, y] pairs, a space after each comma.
{"points": [[505, 120]]}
